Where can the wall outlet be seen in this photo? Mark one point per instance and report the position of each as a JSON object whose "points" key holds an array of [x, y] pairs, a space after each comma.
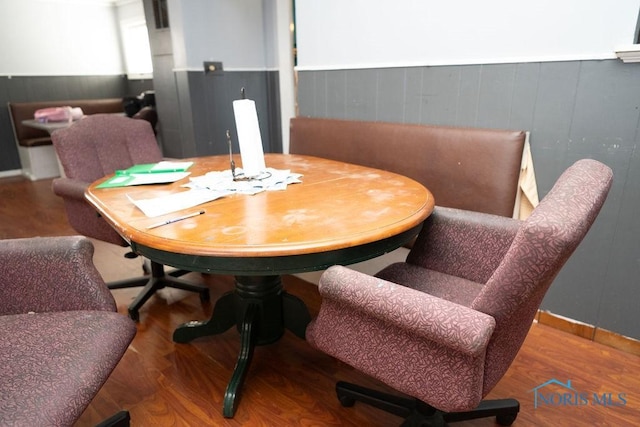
{"points": [[212, 67]]}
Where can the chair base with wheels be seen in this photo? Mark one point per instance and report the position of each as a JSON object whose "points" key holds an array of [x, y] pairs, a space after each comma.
{"points": [[121, 419], [92, 148], [158, 279], [417, 413]]}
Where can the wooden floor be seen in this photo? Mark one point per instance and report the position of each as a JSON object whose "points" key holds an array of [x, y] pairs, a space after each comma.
{"points": [[289, 383]]}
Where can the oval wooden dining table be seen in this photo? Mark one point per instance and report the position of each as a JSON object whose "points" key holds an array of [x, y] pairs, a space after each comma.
{"points": [[340, 213]]}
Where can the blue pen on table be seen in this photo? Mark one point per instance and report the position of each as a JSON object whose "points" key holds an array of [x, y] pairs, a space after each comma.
{"points": [[172, 220]]}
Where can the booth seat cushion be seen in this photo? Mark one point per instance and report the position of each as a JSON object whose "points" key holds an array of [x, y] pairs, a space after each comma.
{"points": [[465, 168], [36, 142], [30, 137]]}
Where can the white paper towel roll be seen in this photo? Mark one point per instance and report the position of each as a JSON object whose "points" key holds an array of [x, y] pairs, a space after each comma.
{"points": [[249, 137]]}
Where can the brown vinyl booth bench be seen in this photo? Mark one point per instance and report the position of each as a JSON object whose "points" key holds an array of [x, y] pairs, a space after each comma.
{"points": [[37, 156], [466, 168]]}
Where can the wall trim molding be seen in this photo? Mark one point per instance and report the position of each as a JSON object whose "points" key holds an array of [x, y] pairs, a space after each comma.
{"points": [[248, 69], [629, 53], [590, 332], [108, 3], [475, 61], [11, 75]]}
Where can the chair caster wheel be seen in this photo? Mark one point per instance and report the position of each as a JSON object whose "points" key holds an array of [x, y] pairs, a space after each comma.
{"points": [[346, 401], [134, 315], [506, 420]]}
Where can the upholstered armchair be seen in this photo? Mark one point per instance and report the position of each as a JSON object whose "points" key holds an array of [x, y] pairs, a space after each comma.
{"points": [[444, 326], [60, 335], [90, 149]]}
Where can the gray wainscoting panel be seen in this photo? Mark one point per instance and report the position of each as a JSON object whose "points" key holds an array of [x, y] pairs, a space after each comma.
{"points": [[9, 159], [524, 95], [467, 94], [495, 96], [362, 95], [307, 91], [573, 109], [336, 93], [412, 109], [390, 87], [212, 99], [620, 302], [320, 101], [51, 88], [436, 103], [168, 106], [183, 104]]}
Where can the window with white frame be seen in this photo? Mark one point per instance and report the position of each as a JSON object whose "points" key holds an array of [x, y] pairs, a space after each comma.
{"points": [[137, 53]]}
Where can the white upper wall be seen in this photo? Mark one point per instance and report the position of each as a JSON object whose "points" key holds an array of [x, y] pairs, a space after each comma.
{"points": [[237, 32], [364, 33], [59, 37]]}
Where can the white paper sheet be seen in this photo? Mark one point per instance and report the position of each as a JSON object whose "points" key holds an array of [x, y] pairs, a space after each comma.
{"points": [[269, 180], [212, 186], [176, 201]]}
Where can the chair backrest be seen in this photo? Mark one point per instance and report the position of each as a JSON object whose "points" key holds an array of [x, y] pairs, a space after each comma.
{"points": [[26, 283], [100, 144], [540, 248], [94, 147]]}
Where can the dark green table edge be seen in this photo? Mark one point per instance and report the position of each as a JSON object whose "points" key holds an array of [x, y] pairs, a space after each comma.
{"points": [[288, 264]]}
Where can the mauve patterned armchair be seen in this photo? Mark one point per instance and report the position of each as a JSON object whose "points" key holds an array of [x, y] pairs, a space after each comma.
{"points": [[90, 149], [444, 326], [60, 335]]}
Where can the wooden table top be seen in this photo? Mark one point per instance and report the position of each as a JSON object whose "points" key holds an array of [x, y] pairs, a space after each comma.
{"points": [[337, 206]]}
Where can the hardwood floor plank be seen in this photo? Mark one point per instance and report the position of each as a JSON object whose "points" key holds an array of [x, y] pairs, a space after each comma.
{"points": [[163, 383]]}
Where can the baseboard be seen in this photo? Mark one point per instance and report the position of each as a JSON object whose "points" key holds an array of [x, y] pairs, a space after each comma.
{"points": [[590, 332], [10, 173]]}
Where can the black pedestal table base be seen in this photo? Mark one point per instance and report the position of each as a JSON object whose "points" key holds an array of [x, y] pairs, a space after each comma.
{"points": [[262, 310]]}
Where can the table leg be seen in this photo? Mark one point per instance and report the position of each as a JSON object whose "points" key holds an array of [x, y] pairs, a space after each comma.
{"points": [[222, 318], [247, 344], [262, 310]]}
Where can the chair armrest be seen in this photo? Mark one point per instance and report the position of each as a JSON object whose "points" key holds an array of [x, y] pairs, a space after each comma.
{"points": [[45, 274], [449, 324], [463, 243], [69, 188]]}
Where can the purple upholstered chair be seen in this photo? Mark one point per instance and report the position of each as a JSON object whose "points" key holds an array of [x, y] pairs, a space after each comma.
{"points": [[444, 326], [60, 335], [90, 149]]}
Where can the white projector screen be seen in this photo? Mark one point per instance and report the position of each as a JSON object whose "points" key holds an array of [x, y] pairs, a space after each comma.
{"points": [[372, 33]]}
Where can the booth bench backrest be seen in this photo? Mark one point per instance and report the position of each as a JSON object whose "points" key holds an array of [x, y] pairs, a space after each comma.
{"points": [[29, 137], [465, 168]]}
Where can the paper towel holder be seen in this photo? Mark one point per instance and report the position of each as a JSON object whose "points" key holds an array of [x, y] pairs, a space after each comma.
{"points": [[241, 176]]}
